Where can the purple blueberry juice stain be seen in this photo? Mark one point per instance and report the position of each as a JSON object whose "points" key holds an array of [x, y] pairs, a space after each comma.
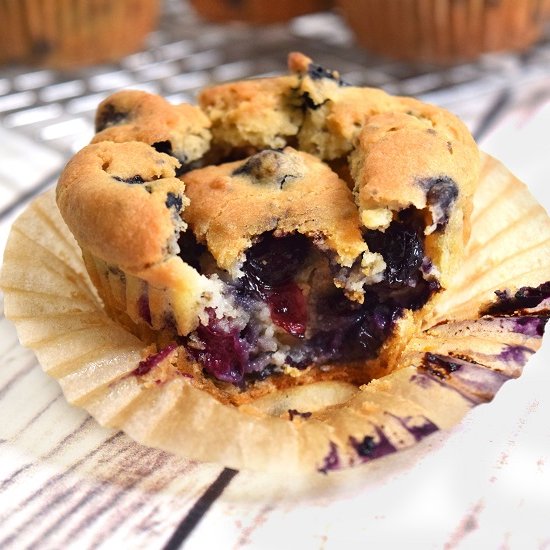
{"points": [[370, 448], [364, 447], [351, 332], [331, 461], [378, 445], [426, 379], [508, 303], [375, 328], [530, 325], [338, 329], [421, 380], [153, 360], [475, 382], [515, 354], [143, 308], [419, 430]]}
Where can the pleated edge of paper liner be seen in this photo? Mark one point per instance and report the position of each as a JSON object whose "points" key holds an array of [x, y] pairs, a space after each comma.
{"points": [[445, 371]]}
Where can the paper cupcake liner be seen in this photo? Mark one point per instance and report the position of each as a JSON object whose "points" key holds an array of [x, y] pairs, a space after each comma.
{"points": [[147, 306], [457, 361]]}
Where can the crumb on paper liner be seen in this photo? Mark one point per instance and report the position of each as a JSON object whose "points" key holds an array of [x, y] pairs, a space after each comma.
{"points": [[458, 360]]}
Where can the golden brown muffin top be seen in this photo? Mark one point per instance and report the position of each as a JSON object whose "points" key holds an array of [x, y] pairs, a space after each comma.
{"points": [[397, 152], [424, 142], [317, 112], [179, 130], [261, 113], [123, 202], [284, 191]]}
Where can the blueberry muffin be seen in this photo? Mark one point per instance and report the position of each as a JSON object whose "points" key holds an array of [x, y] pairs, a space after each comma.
{"points": [[446, 31], [290, 230], [60, 34], [257, 11], [479, 333], [254, 114]]}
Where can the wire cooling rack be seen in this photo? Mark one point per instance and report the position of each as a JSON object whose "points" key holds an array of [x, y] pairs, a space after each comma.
{"points": [[47, 115]]}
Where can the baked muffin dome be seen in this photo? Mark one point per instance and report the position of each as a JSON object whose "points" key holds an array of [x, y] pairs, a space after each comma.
{"points": [[288, 229], [67, 35], [445, 32]]}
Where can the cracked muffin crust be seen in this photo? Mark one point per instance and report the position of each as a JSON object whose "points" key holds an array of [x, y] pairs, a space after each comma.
{"points": [[288, 230], [363, 128], [286, 191], [182, 131]]}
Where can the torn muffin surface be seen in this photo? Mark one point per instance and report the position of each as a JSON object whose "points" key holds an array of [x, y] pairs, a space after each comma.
{"points": [[307, 285], [310, 225]]}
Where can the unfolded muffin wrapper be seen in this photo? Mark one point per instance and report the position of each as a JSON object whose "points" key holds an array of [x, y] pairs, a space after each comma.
{"points": [[457, 360]]}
